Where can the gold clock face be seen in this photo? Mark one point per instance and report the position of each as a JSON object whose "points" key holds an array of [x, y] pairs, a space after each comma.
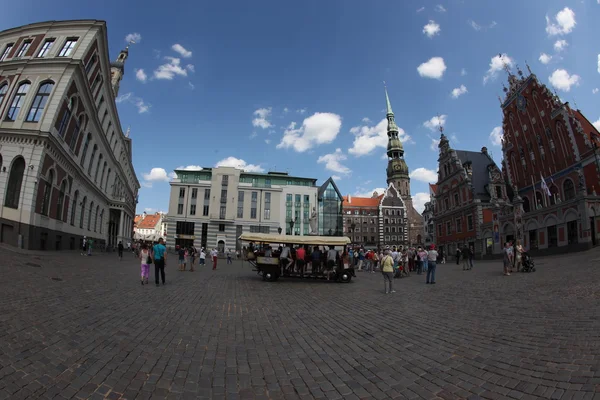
{"points": [[396, 167]]}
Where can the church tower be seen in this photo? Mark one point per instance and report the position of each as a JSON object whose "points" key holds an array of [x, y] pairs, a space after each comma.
{"points": [[117, 70]]}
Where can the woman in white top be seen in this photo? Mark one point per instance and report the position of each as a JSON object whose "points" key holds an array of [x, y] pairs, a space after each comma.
{"points": [[146, 259]]}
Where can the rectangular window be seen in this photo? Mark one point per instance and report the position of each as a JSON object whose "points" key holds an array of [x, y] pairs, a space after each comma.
{"points": [[194, 193], [206, 194], [181, 193], [24, 48], [222, 212], [306, 198], [68, 47], [90, 64], [448, 228], [224, 196], [184, 228], [46, 48], [221, 227], [180, 209], [288, 198], [456, 203], [205, 211], [7, 50], [469, 222], [225, 180], [446, 204], [193, 209], [253, 203], [240, 209], [458, 225], [267, 183], [267, 205]]}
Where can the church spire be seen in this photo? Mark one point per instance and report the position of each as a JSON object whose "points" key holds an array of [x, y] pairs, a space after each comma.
{"points": [[397, 170], [117, 69], [387, 100]]}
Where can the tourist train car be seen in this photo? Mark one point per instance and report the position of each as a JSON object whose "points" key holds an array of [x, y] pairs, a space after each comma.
{"points": [[267, 263]]}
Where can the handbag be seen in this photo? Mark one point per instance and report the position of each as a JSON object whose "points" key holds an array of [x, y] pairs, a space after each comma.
{"points": [[149, 259]]}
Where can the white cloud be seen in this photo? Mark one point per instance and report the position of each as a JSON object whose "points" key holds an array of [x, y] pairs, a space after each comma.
{"points": [[141, 105], [434, 144], [496, 136], [268, 141], [366, 120], [333, 162], [457, 92], [135, 37], [463, 72], [171, 68], [156, 175], [434, 123], [286, 110], [369, 138], [454, 138], [562, 80], [560, 45], [419, 200], [140, 75], [260, 120], [434, 68], [362, 192], [239, 164], [424, 175], [563, 24], [336, 177], [191, 86], [440, 8], [301, 110], [431, 29], [319, 128], [497, 64], [597, 124], [595, 90], [190, 168], [474, 25], [181, 50], [545, 58], [423, 9]]}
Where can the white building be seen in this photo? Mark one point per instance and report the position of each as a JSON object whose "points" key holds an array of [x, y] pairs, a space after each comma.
{"points": [[149, 227], [65, 164], [213, 206]]}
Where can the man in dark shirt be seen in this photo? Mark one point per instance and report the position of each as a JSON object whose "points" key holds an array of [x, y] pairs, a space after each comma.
{"points": [[120, 249]]}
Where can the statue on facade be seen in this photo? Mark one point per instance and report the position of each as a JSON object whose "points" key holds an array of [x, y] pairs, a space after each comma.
{"points": [[313, 222]]}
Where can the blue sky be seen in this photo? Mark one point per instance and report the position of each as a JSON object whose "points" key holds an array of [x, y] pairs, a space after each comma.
{"points": [[297, 86]]}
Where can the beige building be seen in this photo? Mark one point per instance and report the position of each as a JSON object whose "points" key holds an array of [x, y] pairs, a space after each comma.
{"points": [[66, 168], [211, 207]]}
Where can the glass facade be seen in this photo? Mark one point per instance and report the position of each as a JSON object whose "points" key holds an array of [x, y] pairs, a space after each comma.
{"points": [[330, 211]]}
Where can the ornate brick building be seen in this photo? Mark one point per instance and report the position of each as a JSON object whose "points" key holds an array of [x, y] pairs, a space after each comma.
{"points": [[66, 168], [361, 219], [552, 165]]}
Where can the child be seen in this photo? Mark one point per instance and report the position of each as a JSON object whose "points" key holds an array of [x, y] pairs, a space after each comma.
{"points": [[145, 257]]}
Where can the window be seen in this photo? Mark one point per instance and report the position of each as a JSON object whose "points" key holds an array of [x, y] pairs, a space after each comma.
{"points": [[181, 193], [104, 117], [568, 189], [68, 47], [24, 48], [179, 209], [458, 225], [253, 202], [240, 206], [101, 218], [268, 206], [288, 198], [96, 218], [224, 180], [83, 203], [18, 101], [86, 145], [184, 228], [205, 211], [100, 104], [194, 193], [439, 229], [3, 91], [47, 192], [469, 222], [222, 211], [15, 180], [221, 227], [206, 194], [64, 122], [106, 182], [298, 199], [193, 209], [90, 64], [306, 198], [89, 223], [46, 48], [7, 50], [499, 192], [102, 176], [446, 204], [91, 164], [223, 196], [96, 83], [448, 228], [39, 102], [74, 207], [456, 203], [61, 200]]}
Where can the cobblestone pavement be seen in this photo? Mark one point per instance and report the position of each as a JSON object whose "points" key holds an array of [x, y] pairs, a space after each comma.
{"points": [[84, 327]]}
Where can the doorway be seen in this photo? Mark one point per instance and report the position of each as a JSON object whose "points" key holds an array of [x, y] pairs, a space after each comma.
{"points": [[221, 246]]}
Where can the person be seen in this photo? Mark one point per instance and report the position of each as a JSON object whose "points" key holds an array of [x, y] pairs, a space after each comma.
{"points": [[120, 250], [471, 255], [432, 257], [285, 256], [145, 258], [465, 258], [84, 246], [387, 270], [519, 254], [182, 253], [194, 254], [457, 255], [508, 258], [229, 256], [332, 256], [300, 262], [421, 254], [202, 256], [316, 261], [159, 257], [214, 253], [89, 246]]}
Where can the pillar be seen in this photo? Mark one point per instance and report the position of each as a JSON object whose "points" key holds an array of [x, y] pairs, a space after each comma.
{"points": [[120, 232]]}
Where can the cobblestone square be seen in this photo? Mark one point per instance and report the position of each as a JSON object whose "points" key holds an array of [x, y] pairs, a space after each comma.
{"points": [[84, 327]]}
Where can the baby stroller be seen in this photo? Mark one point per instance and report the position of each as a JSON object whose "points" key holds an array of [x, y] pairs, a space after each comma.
{"points": [[527, 263]]}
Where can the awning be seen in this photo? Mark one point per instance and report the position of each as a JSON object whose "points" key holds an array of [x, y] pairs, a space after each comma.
{"points": [[309, 240]]}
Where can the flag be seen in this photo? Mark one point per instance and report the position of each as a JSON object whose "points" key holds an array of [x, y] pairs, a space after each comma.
{"points": [[545, 186]]}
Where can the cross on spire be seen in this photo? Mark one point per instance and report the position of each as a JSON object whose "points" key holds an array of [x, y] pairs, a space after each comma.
{"points": [[440, 126]]}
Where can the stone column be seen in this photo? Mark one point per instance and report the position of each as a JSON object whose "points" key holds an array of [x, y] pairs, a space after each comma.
{"points": [[120, 232]]}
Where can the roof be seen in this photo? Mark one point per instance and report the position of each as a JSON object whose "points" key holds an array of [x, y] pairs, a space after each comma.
{"points": [[362, 201], [588, 128], [479, 164], [137, 219], [324, 186], [433, 188], [149, 222], [310, 240]]}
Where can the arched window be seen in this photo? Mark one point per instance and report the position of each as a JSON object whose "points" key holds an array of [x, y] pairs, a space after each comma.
{"points": [[86, 145], [3, 90], [15, 180], [104, 117], [539, 200], [107, 179], [83, 203], [89, 227], [101, 218], [18, 100], [74, 207], [78, 125], [61, 200], [102, 176], [98, 168], [64, 122], [47, 192], [96, 218], [39, 102], [108, 127], [568, 189], [91, 164], [526, 205]]}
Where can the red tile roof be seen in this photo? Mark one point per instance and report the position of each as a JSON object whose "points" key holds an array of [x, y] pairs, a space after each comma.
{"points": [[433, 188], [149, 222], [362, 201]]}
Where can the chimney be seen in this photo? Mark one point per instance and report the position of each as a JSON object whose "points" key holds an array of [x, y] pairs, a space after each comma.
{"points": [[484, 150], [349, 199]]}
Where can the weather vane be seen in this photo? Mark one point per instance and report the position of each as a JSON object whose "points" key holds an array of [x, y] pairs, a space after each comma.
{"points": [[130, 43], [440, 126]]}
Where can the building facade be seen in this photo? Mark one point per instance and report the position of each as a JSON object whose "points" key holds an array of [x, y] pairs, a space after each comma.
{"points": [[428, 216], [212, 207], [66, 169], [552, 165], [330, 209], [361, 219], [393, 219], [149, 227]]}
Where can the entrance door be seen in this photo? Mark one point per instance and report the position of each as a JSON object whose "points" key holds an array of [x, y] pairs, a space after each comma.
{"points": [[8, 235], [593, 226], [221, 246]]}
